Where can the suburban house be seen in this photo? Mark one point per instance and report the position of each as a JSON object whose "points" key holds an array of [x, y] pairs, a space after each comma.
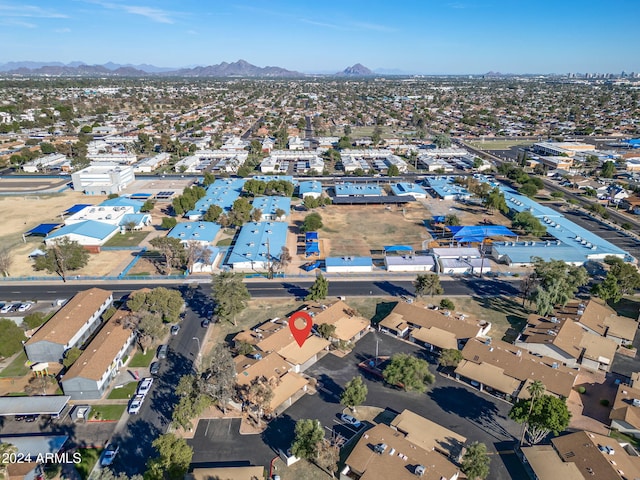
{"points": [[90, 375], [384, 452], [594, 456], [287, 385], [505, 370], [226, 473], [429, 435], [568, 342], [602, 320], [275, 336], [350, 326], [436, 330], [625, 414], [70, 327]]}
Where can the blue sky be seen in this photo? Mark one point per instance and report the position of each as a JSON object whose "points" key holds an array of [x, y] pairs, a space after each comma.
{"points": [[413, 36]]}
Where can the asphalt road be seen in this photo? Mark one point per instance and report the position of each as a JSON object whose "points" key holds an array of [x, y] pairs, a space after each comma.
{"points": [[139, 432], [269, 288], [448, 403]]}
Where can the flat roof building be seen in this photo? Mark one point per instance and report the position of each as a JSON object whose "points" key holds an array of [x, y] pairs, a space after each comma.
{"points": [[270, 205], [257, 245], [202, 232], [357, 190], [102, 179], [310, 189]]}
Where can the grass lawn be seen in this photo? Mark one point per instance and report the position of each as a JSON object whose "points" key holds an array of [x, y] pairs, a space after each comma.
{"points": [[89, 458], [225, 242], [499, 144], [125, 392], [129, 239], [17, 367], [107, 412], [300, 469], [142, 360], [621, 437]]}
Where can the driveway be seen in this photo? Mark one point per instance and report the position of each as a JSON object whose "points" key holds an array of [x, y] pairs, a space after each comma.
{"points": [[453, 405]]}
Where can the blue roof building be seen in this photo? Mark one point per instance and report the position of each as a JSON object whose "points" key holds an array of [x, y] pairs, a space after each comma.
{"points": [[257, 245], [573, 243], [87, 233], [357, 190], [203, 232], [405, 188], [269, 205], [268, 178], [348, 264], [123, 202], [223, 192], [445, 188], [310, 189]]}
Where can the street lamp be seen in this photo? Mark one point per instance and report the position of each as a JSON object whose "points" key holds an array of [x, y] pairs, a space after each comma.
{"points": [[197, 340], [377, 341]]}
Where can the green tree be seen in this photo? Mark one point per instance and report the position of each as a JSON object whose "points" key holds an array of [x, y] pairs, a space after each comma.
{"points": [[191, 402], [11, 338], [475, 462], [212, 214], [168, 223], [166, 302], [150, 329], [608, 169], [626, 274], [62, 256], [311, 223], [393, 171], [528, 223], [171, 250], [47, 148], [209, 178], [354, 393], [174, 457], [319, 289], [229, 294], [428, 284], [6, 449], [452, 220], [326, 330], [240, 212], [442, 140], [408, 372], [148, 206], [218, 379], [557, 283], [344, 143], [450, 357], [34, 320], [608, 289], [547, 414], [447, 304], [309, 434], [258, 394], [529, 189], [495, 201], [310, 202], [70, 356]]}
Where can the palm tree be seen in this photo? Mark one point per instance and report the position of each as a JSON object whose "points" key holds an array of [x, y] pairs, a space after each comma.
{"points": [[536, 389]]}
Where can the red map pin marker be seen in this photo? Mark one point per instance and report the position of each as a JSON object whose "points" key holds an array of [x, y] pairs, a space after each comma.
{"points": [[300, 332]]}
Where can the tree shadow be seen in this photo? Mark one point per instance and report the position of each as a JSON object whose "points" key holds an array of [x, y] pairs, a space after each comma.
{"points": [[295, 290], [197, 299], [328, 390], [382, 310], [135, 444], [510, 459], [461, 402], [280, 433], [392, 289], [486, 287]]}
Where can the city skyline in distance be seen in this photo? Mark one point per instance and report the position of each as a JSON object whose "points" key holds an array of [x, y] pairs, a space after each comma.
{"points": [[412, 37]]}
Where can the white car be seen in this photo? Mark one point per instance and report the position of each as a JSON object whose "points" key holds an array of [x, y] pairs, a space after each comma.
{"points": [[109, 455], [145, 386], [135, 405], [24, 307], [6, 308]]}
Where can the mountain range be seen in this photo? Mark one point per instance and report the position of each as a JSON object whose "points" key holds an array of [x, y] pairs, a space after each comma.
{"points": [[241, 68]]}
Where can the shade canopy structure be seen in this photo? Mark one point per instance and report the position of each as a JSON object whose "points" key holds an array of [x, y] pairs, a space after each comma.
{"points": [[312, 248], [43, 229], [76, 208], [478, 233], [310, 236], [397, 248], [311, 266]]}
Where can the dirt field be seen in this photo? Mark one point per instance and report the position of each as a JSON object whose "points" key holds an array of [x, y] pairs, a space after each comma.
{"points": [[358, 229]]}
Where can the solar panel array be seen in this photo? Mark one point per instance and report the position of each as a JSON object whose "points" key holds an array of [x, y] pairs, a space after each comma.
{"points": [[165, 195]]}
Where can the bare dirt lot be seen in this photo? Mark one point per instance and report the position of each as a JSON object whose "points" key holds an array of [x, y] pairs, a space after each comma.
{"points": [[358, 229]]}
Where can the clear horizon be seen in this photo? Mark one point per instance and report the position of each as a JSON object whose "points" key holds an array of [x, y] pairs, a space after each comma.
{"points": [[414, 37]]}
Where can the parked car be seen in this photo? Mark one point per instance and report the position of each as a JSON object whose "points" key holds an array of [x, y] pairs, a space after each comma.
{"points": [[109, 455], [350, 420], [175, 329], [135, 405], [162, 351], [145, 386], [154, 368], [6, 308], [205, 323], [30, 418], [24, 307]]}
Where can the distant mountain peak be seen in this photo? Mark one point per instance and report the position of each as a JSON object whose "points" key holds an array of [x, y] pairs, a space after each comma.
{"points": [[356, 70]]}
